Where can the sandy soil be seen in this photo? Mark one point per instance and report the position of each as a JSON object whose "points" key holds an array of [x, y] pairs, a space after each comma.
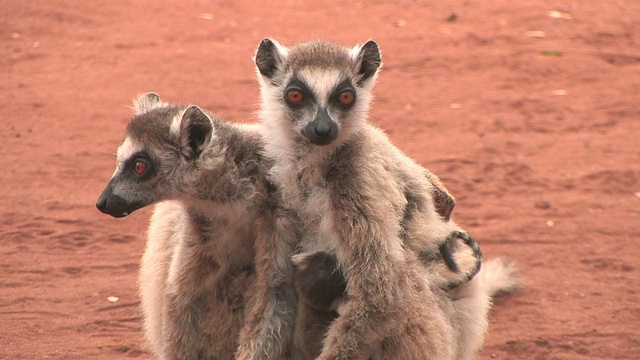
{"points": [[532, 120]]}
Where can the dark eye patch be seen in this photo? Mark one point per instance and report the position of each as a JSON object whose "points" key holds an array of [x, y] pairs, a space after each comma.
{"points": [[297, 94], [337, 96], [140, 166]]}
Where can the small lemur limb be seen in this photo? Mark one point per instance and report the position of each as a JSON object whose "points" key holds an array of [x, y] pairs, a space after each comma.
{"points": [[319, 280]]}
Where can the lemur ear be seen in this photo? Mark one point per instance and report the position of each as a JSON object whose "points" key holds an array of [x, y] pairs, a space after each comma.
{"points": [[269, 57], [195, 131], [367, 60], [146, 102], [443, 202]]}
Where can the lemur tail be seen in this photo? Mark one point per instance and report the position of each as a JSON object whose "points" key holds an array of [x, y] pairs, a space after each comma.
{"points": [[499, 277]]}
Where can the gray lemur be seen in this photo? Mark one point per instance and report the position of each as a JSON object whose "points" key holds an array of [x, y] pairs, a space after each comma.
{"points": [[208, 179], [363, 201]]}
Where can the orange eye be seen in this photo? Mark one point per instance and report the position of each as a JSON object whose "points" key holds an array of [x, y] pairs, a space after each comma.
{"points": [[346, 97], [295, 96], [140, 168]]}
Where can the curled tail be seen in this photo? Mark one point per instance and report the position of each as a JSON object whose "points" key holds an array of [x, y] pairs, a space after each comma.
{"points": [[499, 277]]}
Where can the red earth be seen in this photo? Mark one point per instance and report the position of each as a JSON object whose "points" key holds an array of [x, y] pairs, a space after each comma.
{"points": [[528, 110]]}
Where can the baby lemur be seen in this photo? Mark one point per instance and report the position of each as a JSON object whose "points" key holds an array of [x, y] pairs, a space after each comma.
{"points": [[363, 201]]}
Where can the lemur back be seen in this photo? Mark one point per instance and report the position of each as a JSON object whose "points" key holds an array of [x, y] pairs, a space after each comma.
{"points": [[362, 200]]}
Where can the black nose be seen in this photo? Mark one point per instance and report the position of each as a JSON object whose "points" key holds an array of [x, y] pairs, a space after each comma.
{"points": [[114, 205], [322, 129], [102, 204]]}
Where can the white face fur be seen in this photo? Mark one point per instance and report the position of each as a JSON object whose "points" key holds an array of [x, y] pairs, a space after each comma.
{"points": [[315, 93], [161, 151], [125, 151]]}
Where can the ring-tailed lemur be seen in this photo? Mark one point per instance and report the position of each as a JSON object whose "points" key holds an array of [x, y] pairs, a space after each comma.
{"points": [[208, 178], [365, 202]]}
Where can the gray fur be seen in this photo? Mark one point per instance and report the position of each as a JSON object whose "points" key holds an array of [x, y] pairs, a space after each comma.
{"points": [[208, 179], [361, 199]]}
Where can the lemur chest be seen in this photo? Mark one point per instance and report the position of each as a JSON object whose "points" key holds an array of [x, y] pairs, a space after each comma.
{"points": [[303, 186], [307, 191]]}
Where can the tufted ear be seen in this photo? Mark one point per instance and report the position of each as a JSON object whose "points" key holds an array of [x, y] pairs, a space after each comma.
{"points": [[146, 102], [443, 202], [366, 61], [269, 57], [196, 130]]}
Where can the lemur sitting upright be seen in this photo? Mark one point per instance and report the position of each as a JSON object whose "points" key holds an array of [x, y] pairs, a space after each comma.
{"points": [[209, 182], [363, 201], [208, 179]]}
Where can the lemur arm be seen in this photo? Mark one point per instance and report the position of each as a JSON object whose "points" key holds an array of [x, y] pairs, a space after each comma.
{"points": [[370, 252], [270, 314]]}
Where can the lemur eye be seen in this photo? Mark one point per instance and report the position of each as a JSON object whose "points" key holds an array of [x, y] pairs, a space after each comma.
{"points": [[140, 167], [346, 97], [295, 96]]}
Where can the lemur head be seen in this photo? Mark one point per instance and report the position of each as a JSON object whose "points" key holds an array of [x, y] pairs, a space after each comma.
{"points": [[317, 91], [164, 146]]}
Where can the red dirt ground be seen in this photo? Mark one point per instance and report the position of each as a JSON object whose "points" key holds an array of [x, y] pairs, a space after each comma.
{"points": [[532, 121]]}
